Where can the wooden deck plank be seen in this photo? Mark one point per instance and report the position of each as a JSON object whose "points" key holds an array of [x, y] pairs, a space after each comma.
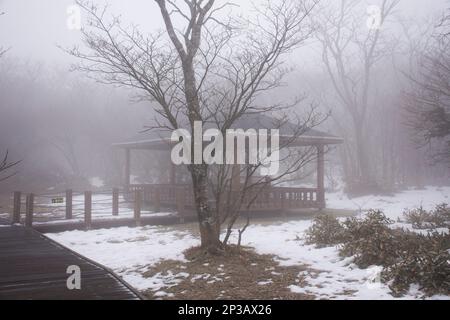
{"points": [[33, 267]]}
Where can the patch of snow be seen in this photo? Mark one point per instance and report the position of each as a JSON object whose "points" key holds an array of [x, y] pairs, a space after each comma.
{"points": [[200, 277], [393, 206], [130, 251], [96, 182]]}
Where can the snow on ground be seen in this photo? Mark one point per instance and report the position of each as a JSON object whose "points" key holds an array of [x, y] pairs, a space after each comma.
{"points": [[131, 251], [101, 206], [393, 206], [50, 213], [335, 278]]}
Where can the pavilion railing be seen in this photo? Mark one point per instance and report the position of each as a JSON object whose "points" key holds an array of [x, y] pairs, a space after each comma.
{"points": [[101, 208], [181, 197]]}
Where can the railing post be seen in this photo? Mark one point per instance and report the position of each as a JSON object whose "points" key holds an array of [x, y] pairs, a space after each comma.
{"points": [[88, 209], [16, 209], [29, 211], [282, 204], [137, 207], [281, 197], [289, 200], [127, 170], [157, 202], [321, 177], [69, 202], [115, 207], [180, 196]]}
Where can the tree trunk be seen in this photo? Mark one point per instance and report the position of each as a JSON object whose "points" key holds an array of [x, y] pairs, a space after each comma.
{"points": [[365, 177], [209, 232], [208, 222]]}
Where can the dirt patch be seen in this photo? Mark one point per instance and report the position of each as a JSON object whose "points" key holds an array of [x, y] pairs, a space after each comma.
{"points": [[235, 275]]}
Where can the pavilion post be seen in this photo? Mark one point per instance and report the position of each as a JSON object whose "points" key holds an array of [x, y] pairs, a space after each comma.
{"points": [[137, 207], [88, 209], [321, 176], [236, 178], [29, 210], [115, 207], [69, 203], [173, 174], [16, 210], [127, 169]]}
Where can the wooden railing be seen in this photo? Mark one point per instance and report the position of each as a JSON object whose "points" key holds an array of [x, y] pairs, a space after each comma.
{"points": [[181, 197], [177, 197], [280, 198]]}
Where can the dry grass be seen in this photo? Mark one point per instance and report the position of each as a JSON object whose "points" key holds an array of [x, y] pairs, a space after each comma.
{"points": [[235, 275]]}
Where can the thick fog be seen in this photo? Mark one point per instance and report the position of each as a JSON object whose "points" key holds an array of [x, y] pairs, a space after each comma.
{"points": [[61, 124], [33, 28]]}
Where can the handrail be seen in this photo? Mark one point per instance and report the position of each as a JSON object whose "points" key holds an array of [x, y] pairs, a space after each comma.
{"points": [[275, 198]]}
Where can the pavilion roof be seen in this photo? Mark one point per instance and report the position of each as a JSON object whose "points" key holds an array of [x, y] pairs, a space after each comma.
{"points": [[160, 140]]}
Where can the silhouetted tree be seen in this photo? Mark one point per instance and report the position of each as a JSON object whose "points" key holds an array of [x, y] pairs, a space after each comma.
{"points": [[429, 101], [209, 70], [6, 166], [349, 55], [2, 50]]}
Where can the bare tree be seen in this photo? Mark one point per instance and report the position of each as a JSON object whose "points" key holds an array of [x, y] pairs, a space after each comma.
{"points": [[206, 68], [349, 56], [65, 144], [5, 166], [2, 50], [429, 101]]}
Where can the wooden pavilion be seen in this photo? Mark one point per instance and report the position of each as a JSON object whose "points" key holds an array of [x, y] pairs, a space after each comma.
{"points": [[179, 195]]}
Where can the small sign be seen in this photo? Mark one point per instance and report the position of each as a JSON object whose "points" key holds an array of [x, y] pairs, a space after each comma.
{"points": [[57, 200]]}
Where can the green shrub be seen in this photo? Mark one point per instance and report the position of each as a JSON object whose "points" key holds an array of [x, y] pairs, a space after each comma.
{"points": [[442, 214], [326, 231], [425, 262], [370, 241], [422, 219], [407, 257]]}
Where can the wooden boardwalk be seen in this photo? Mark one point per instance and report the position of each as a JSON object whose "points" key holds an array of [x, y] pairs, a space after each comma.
{"points": [[33, 267]]}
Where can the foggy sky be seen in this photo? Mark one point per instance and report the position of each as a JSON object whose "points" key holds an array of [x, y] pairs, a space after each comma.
{"points": [[33, 28]]}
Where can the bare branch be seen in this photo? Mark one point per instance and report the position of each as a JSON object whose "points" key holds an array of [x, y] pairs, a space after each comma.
{"points": [[5, 166]]}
